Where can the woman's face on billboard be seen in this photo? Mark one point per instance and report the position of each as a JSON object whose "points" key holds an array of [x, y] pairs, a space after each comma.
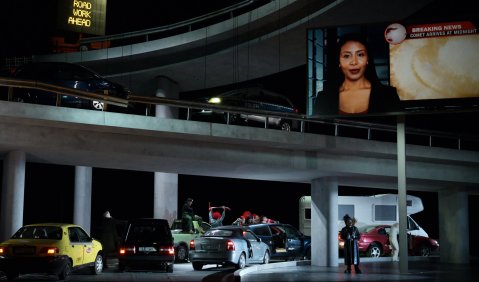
{"points": [[353, 60]]}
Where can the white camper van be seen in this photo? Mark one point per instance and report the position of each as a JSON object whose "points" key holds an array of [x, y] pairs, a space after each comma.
{"points": [[368, 210]]}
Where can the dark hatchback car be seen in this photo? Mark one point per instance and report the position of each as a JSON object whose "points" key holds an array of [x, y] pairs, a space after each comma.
{"points": [[251, 98], [147, 243], [284, 240], [67, 75]]}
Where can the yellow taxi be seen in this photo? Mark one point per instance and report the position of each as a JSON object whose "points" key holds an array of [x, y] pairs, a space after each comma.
{"points": [[50, 248]]}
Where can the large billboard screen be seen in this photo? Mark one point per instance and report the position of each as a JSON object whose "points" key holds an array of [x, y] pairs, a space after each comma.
{"points": [[87, 16], [392, 68]]}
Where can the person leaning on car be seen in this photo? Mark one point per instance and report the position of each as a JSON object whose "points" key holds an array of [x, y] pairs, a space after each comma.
{"points": [[109, 237]]}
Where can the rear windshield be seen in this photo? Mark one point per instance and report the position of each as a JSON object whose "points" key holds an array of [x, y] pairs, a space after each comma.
{"points": [[220, 232], [148, 232], [39, 232]]}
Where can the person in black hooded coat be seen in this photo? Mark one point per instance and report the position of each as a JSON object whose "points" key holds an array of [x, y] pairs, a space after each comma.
{"points": [[350, 235]]}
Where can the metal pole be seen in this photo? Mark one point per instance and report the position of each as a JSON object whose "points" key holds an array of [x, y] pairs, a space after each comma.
{"points": [[401, 157]]}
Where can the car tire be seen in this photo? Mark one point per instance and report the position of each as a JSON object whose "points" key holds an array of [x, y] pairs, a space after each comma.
{"points": [[121, 267], [11, 275], [66, 271], [197, 265], [424, 251], [374, 251], [233, 118], [308, 254], [97, 105], [97, 267], [169, 268], [285, 125], [266, 257], [241, 261], [181, 254]]}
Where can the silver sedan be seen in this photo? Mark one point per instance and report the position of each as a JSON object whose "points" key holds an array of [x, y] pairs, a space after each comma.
{"points": [[228, 245]]}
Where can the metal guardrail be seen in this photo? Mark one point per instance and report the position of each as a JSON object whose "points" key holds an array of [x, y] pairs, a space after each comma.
{"points": [[335, 124], [188, 24]]}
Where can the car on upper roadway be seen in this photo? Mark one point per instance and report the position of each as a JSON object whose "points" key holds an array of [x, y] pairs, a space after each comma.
{"points": [[374, 242], [50, 248], [228, 245], [146, 243], [251, 98], [284, 240], [67, 75]]}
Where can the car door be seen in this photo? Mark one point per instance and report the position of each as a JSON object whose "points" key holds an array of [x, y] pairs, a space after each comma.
{"points": [[255, 246], [89, 253], [294, 242], [75, 247], [264, 233]]}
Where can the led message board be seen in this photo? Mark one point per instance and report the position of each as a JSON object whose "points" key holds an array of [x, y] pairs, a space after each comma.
{"points": [[418, 67], [87, 16]]}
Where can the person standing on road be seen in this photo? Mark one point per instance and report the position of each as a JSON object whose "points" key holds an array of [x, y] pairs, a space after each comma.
{"points": [[109, 237], [350, 235], [187, 216], [393, 239]]}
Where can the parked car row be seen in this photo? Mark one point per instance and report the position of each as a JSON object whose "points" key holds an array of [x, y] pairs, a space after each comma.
{"points": [[249, 244], [76, 76], [374, 242], [147, 243]]}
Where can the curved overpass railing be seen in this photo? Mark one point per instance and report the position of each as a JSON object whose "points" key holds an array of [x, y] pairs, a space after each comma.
{"points": [[176, 28], [335, 127]]}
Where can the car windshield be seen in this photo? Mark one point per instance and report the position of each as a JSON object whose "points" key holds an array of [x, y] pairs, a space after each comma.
{"points": [[39, 232], [147, 232], [176, 225], [366, 229]]}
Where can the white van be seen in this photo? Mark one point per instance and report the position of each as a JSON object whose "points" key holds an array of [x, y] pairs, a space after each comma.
{"points": [[368, 210]]}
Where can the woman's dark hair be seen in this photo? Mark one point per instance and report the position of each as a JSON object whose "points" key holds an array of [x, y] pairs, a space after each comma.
{"points": [[335, 70]]}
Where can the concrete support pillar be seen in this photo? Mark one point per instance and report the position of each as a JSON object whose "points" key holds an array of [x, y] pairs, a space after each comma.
{"points": [[453, 226], [324, 222], [166, 196], [167, 88], [82, 197], [165, 203], [13, 192]]}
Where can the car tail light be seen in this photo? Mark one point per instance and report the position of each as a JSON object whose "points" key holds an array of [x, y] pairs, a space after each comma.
{"points": [[296, 110], [340, 242], [167, 250], [49, 250], [127, 250], [230, 246], [192, 245]]}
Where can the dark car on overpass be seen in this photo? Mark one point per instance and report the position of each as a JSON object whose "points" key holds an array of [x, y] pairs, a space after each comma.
{"points": [[67, 75], [256, 98]]}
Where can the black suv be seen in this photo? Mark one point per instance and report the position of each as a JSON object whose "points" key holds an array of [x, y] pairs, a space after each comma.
{"points": [[67, 75], [284, 240], [252, 98], [147, 243]]}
